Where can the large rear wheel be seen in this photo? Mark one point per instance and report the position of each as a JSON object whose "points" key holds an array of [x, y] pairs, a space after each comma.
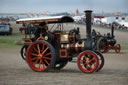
{"points": [[102, 45], [41, 56], [88, 61]]}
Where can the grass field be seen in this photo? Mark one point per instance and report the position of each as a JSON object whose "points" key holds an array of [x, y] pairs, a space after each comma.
{"points": [[124, 46], [9, 41]]}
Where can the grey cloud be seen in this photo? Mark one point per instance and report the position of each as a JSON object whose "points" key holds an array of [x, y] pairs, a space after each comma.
{"points": [[62, 5]]}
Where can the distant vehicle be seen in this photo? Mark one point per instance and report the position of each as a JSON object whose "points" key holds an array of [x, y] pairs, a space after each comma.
{"points": [[5, 29], [123, 25], [79, 19], [106, 42]]}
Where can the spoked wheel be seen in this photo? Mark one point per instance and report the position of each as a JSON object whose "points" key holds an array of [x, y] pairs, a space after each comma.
{"points": [[41, 56], [117, 48], [60, 66], [88, 61], [101, 60], [23, 52], [102, 45]]}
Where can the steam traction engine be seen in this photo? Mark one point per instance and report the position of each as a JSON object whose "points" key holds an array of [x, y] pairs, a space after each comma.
{"points": [[107, 42], [55, 49]]}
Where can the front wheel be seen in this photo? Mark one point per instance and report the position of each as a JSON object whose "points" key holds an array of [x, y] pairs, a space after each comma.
{"points": [[88, 61], [41, 56], [117, 48]]}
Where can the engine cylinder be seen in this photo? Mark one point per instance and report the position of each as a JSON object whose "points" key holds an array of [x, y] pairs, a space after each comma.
{"points": [[76, 47]]}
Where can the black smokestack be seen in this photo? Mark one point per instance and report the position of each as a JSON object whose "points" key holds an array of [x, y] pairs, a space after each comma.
{"points": [[112, 29], [88, 23], [88, 42]]}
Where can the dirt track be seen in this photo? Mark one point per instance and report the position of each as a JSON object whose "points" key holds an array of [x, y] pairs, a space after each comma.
{"points": [[15, 71]]}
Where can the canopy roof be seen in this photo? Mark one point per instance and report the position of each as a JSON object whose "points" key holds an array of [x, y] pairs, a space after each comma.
{"points": [[46, 19]]}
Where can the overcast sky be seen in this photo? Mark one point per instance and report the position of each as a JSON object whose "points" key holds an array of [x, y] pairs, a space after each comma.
{"points": [[53, 6]]}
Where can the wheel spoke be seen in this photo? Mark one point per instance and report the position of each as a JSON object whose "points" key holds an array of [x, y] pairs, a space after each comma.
{"points": [[45, 50], [34, 54], [91, 57], [92, 61], [46, 62], [35, 50], [85, 64], [42, 47], [43, 64], [48, 54], [38, 48], [36, 61], [89, 67], [47, 58], [34, 58], [40, 63]]}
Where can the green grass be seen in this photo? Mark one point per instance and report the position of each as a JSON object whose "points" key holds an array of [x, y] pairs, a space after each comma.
{"points": [[124, 46], [9, 41]]}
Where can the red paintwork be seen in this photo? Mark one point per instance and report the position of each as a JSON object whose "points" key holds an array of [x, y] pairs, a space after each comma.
{"points": [[36, 56], [86, 67], [117, 48], [101, 60]]}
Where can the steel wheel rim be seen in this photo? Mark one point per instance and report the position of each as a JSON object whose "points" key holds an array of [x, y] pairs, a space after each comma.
{"points": [[85, 62], [101, 61], [39, 56], [24, 52]]}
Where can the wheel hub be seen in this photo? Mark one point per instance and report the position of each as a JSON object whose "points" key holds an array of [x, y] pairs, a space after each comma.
{"points": [[40, 55], [87, 62]]}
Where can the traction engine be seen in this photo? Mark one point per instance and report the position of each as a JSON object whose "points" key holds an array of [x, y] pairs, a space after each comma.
{"points": [[55, 49], [108, 42]]}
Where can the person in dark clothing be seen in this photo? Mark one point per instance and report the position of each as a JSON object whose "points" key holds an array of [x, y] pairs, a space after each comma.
{"points": [[93, 33], [41, 30]]}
